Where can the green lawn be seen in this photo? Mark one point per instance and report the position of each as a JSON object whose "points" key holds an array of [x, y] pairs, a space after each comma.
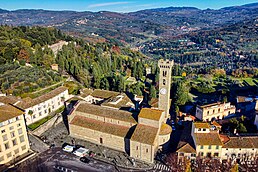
{"points": [[250, 81], [43, 120], [38, 123]]}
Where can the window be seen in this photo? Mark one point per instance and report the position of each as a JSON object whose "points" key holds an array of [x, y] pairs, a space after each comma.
{"points": [[6, 145], [45, 111], [204, 129], [12, 134], [147, 150], [9, 155], [209, 147], [181, 154], [17, 118], [213, 111], [208, 112], [217, 147], [100, 140], [40, 113], [18, 125], [137, 147], [20, 131], [11, 128], [14, 142], [3, 131], [16, 151], [239, 149], [21, 138], [199, 129], [201, 147], [34, 116], [164, 73], [164, 82], [193, 155], [219, 110], [216, 154], [23, 147], [201, 153], [4, 137]]}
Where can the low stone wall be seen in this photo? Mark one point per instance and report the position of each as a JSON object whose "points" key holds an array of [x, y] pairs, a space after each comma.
{"points": [[44, 127]]}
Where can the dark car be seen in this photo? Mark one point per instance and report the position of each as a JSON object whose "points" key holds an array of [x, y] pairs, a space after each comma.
{"points": [[84, 159]]}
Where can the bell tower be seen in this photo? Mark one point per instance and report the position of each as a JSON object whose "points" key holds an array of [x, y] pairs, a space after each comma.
{"points": [[165, 68]]}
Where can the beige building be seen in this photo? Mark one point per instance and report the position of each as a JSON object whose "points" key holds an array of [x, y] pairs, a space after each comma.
{"points": [[214, 111], [118, 129], [240, 148], [40, 107], [13, 135]]}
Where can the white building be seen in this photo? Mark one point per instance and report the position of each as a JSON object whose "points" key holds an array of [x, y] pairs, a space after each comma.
{"points": [[40, 107], [214, 111], [240, 148]]}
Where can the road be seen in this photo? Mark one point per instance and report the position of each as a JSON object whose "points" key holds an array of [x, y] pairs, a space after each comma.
{"points": [[56, 159]]}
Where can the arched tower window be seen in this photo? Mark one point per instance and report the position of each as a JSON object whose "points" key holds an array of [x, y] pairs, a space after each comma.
{"points": [[164, 82], [164, 73]]}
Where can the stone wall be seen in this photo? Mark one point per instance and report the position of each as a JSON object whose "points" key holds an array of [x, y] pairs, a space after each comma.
{"points": [[141, 151], [44, 127], [97, 137]]}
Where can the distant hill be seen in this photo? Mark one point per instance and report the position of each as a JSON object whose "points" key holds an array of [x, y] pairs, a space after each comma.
{"points": [[132, 27]]}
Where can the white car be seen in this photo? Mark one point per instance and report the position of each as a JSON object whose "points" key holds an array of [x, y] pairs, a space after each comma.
{"points": [[68, 148], [81, 152]]}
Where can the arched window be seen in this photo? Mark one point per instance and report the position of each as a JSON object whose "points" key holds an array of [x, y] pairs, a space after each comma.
{"points": [[164, 82], [164, 73]]}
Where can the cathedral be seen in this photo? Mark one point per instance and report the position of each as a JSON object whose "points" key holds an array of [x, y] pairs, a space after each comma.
{"points": [[139, 137]]}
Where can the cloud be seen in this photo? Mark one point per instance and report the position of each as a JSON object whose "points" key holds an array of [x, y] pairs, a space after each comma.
{"points": [[107, 4]]}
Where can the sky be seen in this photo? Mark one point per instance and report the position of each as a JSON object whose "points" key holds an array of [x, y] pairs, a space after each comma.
{"points": [[116, 5]]}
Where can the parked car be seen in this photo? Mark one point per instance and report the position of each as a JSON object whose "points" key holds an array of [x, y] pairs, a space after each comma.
{"points": [[68, 148], [92, 154], [84, 159], [81, 152]]}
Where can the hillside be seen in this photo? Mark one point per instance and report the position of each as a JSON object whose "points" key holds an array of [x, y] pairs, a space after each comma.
{"points": [[132, 27]]}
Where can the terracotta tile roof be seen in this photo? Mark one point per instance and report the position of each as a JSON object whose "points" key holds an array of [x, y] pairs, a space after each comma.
{"points": [[152, 114], [105, 112], [186, 148], [8, 99], [145, 134], [104, 94], [8, 112], [186, 135], [28, 102], [207, 139], [224, 138], [216, 124], [154, 102], [201, 125], [124, 102], [242, 142], [100, 126], [212, 104], [85, 92], [165, 129]]}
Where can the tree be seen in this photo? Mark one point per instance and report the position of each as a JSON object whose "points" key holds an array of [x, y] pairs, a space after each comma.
{"points": [[181, 95], [153, 92]]}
